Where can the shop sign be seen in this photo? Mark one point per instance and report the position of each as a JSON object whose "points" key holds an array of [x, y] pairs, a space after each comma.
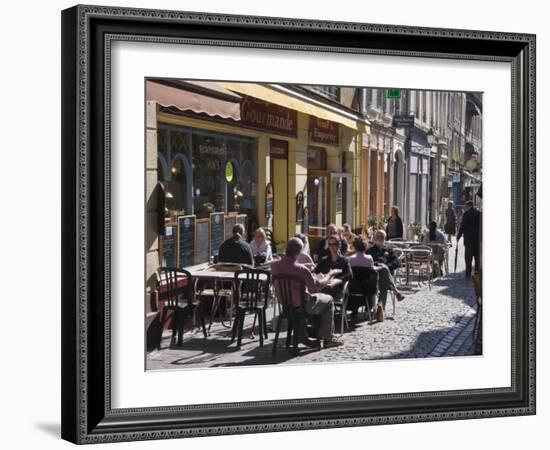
{"points": [[403, 121], [323, 131], [421, 150], [393, 93], [278, 149], [268, 117]]}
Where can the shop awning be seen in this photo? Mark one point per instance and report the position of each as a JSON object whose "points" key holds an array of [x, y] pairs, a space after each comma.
{"points": [[270, 95], [198, 96], [471, 176]]}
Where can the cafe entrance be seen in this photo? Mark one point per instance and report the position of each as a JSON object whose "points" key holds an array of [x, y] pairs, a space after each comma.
{"points": [[318, 186]]}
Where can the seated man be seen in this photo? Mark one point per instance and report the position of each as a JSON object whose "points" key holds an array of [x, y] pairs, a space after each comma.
{"points": [[236, 249], [385, 263], [318, 304]]}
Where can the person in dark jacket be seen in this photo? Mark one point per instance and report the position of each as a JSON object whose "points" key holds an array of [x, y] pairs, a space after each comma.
{"points": [[450, 221], [236, 249], [334, 260], [394, 228], [323, 249], [470, 228], [385, 263]]}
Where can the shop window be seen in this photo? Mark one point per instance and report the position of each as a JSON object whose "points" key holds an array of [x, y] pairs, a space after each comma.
{"points": [[330, 92], [195, 168]]}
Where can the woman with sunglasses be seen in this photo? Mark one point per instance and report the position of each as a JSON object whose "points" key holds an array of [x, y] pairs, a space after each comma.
{"points": [[334, 261]]}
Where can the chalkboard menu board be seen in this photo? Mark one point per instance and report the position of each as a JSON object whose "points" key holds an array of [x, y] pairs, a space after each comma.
{"points": [[186, 240], [169, 246], [242, 219], [230, 222], [217, 232], [202, 241]]}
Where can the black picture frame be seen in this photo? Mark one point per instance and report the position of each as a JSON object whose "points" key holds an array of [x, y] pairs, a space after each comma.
{"points": [[87, 415]]}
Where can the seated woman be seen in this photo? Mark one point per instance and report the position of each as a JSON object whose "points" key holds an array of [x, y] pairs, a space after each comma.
{"points": [[436, 236], [348, 235], [261, 250], [334, 261]]}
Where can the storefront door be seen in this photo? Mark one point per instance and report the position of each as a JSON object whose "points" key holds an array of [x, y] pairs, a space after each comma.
{"points": [[317, 201]]}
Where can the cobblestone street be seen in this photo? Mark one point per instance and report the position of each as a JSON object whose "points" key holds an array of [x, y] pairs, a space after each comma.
{"points": [[427, 323]]}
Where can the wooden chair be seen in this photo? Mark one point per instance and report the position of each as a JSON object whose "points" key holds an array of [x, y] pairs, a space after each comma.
{"points": [[177, 296], [251, 295], [296, 316]]}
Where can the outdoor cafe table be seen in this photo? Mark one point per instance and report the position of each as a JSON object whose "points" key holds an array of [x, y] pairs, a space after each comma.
{"points": [[216, 278]]}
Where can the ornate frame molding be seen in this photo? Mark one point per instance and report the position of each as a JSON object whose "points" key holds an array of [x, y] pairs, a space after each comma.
{"points": [[86, 422]]}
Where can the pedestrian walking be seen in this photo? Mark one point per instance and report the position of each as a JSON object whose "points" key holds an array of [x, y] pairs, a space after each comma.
{"points": [[450, 221], [470, 228]]}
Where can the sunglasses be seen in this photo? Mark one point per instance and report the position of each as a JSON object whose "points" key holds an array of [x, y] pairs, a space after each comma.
{"points": [[333, 244]]}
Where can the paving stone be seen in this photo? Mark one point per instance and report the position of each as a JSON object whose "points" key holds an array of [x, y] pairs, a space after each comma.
{"points": [[428, 323]]}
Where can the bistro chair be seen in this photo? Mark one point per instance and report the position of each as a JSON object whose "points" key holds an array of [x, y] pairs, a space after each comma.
{"points": [[398, 272], [420, 259], [251, 292], [363, 290], [296, 316], [176, 293], [439, 252], [341, 308]]}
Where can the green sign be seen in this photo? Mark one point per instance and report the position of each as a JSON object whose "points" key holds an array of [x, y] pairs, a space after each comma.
{"points": [[394, 93], [229, 171]]}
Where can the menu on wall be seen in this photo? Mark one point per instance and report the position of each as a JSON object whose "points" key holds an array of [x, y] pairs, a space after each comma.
{"points": [[202, 241], [186, 240], [169, 246], [230, 222], [217, 232]]}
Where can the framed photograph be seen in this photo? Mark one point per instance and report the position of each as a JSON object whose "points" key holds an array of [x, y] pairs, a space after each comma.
{"points": [[385, 275]]}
